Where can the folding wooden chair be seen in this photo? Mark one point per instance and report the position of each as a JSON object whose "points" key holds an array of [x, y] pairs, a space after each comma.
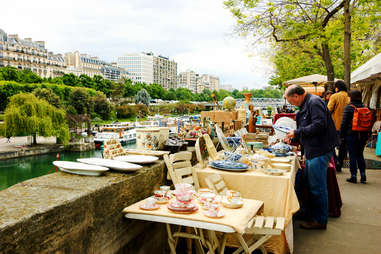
{"points": [[216, 183], [180, 170], [262, 229]]}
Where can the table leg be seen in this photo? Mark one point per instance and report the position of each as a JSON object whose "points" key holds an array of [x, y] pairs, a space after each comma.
{"points": [[171, 241], [223, 243]]}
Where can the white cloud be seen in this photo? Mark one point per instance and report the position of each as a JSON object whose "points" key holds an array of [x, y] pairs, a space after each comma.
{"points": [[196, 33]]}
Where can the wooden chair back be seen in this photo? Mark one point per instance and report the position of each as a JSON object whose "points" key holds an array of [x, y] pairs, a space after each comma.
{"points": [[180, 169], [216, 183], [212, 151]]}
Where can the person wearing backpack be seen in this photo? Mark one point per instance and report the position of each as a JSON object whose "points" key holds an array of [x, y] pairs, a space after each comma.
{"points": [[355, 128]]}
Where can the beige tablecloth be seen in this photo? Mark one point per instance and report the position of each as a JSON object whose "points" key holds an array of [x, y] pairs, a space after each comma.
{"points": [[235, 218], [277, 193]]}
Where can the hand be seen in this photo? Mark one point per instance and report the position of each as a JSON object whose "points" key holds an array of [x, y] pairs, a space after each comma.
{"points": [[290, 135]]}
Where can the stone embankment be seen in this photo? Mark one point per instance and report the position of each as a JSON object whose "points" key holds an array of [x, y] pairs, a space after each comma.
{"points": [[19, 147], [64, 213]]}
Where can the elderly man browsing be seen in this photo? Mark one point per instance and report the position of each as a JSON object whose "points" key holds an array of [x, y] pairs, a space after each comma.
{"points": [[317, 133]]}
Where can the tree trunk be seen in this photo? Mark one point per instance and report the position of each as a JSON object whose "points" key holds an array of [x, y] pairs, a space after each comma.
{"points": [[347, 43], [34, 139], [328, 66]]}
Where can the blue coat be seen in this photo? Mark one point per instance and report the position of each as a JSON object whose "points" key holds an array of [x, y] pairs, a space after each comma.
{"points": [[315, 128]]}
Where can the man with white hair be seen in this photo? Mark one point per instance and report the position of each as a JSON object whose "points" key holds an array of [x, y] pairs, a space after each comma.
{"points": [[317, 133]]}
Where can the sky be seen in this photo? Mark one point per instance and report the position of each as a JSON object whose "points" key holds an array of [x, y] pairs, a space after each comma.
{"points": [[197, 34]]}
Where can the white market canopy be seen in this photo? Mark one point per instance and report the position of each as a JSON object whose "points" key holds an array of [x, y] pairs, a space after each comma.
{"points": [[312, 83], [314, 79], [368, 70]]}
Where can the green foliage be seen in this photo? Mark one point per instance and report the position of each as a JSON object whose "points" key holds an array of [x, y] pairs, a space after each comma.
{"points": [[132, 111], [308, 37], [48, 95], [80, 99], [102, 106], [28, 115], [28, 76], [2, 130], [183, 94], [10, 88], [142, 97], [9, 73]]}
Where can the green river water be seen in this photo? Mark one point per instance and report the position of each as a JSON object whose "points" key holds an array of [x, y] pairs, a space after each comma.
{"points": [[16, 170]]}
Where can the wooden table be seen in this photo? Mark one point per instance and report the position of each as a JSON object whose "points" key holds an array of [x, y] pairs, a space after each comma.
{"points": [[226, 225], [277, 193]]}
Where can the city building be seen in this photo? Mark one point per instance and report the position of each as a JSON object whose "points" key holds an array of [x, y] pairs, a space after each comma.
{"points": [[140, 65], [188, 79], [208, 82], [164, 72], [27, 54], [79, 64], [148, 68]]}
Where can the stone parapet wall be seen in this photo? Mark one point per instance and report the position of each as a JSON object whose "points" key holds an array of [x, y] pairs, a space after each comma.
{"points": [[64, 213]]}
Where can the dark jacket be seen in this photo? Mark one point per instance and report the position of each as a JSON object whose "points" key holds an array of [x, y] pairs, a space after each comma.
{"points": [[346, 122], [315, 128]]}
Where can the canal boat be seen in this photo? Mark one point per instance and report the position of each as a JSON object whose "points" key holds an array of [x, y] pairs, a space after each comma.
{"points": [[80, 168], [112, 164]]}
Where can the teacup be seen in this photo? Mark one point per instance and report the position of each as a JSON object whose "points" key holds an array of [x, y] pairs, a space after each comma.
{"points": [[214, 210], [235, 200], [150, 202]]}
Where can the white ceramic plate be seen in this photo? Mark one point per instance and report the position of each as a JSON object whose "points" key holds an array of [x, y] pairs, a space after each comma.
{"points": [[139, 159], [275, 171], [113, 164], [280, 160], [284, 122], [285, 166], [80, 168]]}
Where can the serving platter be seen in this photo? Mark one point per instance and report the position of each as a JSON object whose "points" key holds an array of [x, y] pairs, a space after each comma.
{"points": [[184, 210], [139, 159], [229, 165], [112, 164], [80, 168], [284, 166]]}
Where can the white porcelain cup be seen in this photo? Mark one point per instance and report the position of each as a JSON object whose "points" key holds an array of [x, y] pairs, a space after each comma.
{"points": [[150, 202]]}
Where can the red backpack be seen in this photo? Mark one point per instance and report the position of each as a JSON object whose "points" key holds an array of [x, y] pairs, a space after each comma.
{"points": [[362, 119]]}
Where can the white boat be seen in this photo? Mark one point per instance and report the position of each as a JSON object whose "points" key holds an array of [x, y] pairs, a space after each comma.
{"points": [[130, 136], [112, 164], [139, 159], [80, 168]]}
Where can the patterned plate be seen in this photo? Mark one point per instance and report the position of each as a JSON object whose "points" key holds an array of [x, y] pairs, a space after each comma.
{"points": [[229, 165]]}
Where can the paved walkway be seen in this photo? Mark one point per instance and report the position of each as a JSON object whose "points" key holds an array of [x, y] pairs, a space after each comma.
{"points": [[358, 230], [17, 142]]}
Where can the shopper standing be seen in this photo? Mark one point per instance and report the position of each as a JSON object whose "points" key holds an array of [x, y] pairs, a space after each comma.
{"points": [[336, 105], [316, 132], [355, 140]]}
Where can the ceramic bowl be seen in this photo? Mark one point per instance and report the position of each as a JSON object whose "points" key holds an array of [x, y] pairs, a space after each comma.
{"points": [[281, 148]]}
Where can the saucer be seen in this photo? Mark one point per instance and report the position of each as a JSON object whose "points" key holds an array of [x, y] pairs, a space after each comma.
{"points": [[226, 203], [219, 215], [154, 207]]}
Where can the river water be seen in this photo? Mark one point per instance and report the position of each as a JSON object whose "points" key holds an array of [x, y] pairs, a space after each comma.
{"points": [[16, 170]]}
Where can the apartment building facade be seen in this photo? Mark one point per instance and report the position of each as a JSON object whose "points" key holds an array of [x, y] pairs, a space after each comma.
{"points": [[138, 65], [188, 79], [164, 72], [148, 68], [80, 63], [27, 54]]}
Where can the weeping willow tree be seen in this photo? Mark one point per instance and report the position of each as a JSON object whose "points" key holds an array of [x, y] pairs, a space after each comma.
{"points": [[27, 115]]}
